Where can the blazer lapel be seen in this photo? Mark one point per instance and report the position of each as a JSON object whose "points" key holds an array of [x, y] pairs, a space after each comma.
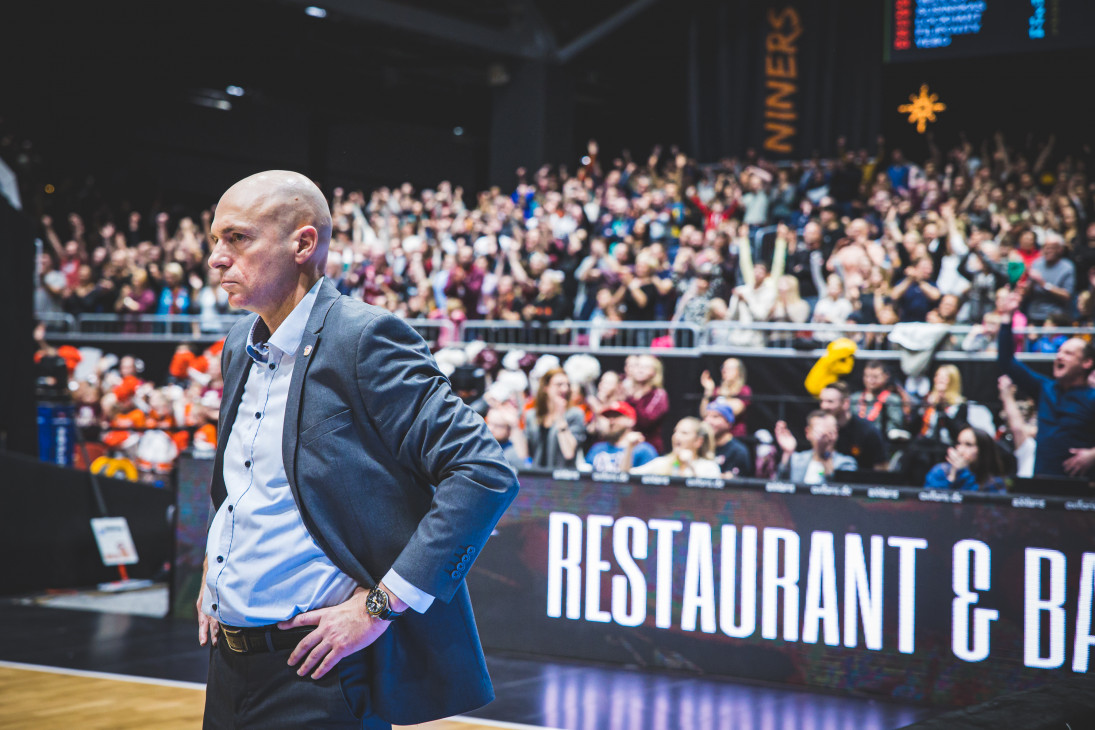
{"points": [[235, 377], [306, 353]]}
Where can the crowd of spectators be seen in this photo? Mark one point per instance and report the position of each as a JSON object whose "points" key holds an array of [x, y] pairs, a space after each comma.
{"points": [[991, 235]]}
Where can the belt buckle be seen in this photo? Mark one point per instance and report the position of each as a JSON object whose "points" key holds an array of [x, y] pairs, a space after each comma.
{"points": [[234, 639]]}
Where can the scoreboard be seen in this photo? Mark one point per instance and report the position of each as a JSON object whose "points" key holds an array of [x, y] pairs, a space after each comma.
{"points": [[922, 30]]}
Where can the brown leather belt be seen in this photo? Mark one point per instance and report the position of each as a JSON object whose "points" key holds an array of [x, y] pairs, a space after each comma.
{"points": [[258, 639]]}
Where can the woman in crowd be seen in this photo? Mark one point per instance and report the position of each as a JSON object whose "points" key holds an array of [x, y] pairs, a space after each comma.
{"points": [[138, 296], [554, 430], [789, 306], [973, 464], [89, 296], [175, 295], [609, 390], [646, 395], [945, 410], [692, 455], [833, 308], [732, 388]]}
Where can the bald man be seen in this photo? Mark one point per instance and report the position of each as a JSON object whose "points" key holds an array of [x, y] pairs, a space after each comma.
{"points": [[353, 490]]}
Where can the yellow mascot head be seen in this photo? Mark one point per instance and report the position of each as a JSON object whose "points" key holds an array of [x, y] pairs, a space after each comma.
{"points": [[838, 360]]}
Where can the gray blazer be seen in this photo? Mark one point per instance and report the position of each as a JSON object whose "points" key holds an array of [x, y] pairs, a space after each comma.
{"points": [[388, 469], [795, 469]]}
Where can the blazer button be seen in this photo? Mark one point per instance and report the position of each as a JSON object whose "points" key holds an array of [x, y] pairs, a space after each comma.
{"points": [[456, 574], [465, 560], [471, 550]]}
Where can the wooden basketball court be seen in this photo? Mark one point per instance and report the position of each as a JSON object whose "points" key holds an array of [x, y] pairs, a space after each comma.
{"points": [[46, 698]]}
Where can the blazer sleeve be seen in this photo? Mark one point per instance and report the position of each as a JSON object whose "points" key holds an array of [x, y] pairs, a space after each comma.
{"points": [[433, 434]]}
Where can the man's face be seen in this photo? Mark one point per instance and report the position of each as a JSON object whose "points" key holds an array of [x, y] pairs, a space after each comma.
{"points": [[616, 425], [253, 253], [821, 433], [811, 235], [717, 423], [925, 268], [874, 379], [833, 402], [498, 426], [1069, 363], [1052, 251], [127, 366]]}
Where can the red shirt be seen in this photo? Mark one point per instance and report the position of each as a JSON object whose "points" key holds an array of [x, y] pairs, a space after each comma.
{"points": [[650, 412]]}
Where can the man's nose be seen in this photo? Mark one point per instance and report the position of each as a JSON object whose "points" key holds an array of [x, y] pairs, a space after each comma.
{"points": [[218, 259]]}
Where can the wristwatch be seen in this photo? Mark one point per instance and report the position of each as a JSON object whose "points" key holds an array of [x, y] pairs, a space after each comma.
{"points": [[378, 605]]}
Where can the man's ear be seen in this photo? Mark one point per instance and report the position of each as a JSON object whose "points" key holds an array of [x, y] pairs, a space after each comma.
{"points": [[305, 243]]}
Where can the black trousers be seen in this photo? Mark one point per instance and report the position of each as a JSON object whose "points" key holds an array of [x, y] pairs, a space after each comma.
{"points": [[263, 691]]}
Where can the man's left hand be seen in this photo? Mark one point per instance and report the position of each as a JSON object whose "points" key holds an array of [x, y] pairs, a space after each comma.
{"points": [[340, 631], [1080, 461]]}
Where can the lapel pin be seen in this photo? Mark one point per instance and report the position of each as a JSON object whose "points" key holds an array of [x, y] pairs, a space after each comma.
{"points": [[307, 350]]}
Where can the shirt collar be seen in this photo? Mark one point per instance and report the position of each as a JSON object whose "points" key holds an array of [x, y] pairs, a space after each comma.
{"points": [[287, 337]]}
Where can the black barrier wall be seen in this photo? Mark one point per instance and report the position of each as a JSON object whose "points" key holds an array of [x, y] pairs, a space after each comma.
{"points": [[45, 529], [936, 597], [777, 381]]}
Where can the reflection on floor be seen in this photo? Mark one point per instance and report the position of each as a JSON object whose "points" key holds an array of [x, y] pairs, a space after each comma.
{"points": [[537, 693]]}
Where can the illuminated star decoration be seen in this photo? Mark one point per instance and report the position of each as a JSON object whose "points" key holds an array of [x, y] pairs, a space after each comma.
{"points": [[922, 108]]}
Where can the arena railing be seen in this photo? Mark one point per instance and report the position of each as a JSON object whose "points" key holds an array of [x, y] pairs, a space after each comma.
{"points": [[782, 338], [168, 327], [57, 322], [567, 336], [178, 328], [673, 339]]}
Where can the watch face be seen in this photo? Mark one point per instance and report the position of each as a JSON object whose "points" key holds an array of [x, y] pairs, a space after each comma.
{"points": [[376, 602]]}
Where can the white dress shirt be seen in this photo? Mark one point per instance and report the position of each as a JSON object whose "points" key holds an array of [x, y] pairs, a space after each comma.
{"points": [[264, 567]]}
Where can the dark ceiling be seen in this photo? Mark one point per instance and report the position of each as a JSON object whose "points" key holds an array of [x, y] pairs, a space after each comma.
{"points": [[89, 83]]}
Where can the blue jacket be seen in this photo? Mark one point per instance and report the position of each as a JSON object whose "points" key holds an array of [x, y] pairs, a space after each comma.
{"points": [[1066, 418], [964, 480]]}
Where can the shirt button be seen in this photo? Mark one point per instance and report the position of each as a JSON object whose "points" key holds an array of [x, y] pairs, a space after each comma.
{"points": [[247, 465], [214, 607], [273, 366], [258, 415], [230, 508], [220, 558]]}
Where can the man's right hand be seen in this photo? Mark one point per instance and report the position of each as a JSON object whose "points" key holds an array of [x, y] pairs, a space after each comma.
{"points": [[208, 627], [785, 439], [1010, 303]]}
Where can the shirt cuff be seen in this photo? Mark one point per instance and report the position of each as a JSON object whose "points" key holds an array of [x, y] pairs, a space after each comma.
{"points": [[420, 601]]}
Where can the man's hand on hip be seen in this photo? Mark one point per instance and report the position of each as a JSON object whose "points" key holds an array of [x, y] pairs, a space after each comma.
{"points": [[208, 627], [340, 631]]}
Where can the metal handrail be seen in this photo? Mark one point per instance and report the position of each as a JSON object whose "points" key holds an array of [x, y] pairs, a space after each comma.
{"points": [[566, 336], [57, 322], [582, 336]]}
